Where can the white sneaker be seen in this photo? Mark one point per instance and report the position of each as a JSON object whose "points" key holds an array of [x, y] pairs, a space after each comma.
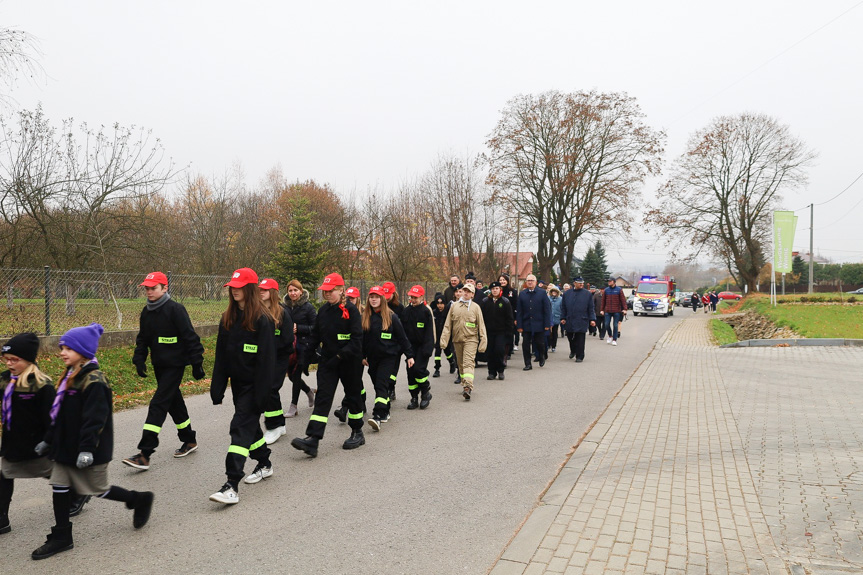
{"points": [[272, 435], [227, 495], [608, 340], [515, 348], [259, 473], [614, 342]]}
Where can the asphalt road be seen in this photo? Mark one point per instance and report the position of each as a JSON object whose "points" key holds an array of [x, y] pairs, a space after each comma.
{"points": [[437, 491]]}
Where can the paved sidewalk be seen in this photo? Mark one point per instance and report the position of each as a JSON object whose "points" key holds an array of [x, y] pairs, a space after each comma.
{"points": [[711, 461]]}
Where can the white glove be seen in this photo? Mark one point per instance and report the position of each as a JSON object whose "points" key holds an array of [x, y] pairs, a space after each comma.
{"points": [[85, 459]]}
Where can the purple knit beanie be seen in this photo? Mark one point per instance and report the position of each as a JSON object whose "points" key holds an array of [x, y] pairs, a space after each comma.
{"points": [[84, 340]]}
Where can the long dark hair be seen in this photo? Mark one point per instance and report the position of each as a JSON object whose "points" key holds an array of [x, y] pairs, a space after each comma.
{"points": [[273, 307], [254, 308]]}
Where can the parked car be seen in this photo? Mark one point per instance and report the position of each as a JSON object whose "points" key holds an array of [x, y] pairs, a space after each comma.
{"points": [[684, 298], [723, 295], [857, 291]]}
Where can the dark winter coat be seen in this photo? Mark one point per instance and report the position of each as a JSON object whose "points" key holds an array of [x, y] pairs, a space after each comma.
{"points": [[534, 311], [168, 335], [392, 342], [30, 421], [419, 325], [497, 315], [448, 295], [337, 336], [245, 357], [84, 422], [613, 300], [439, 319], [397, 309], [597, 302], [284, 337], [303, 315], [577, 308]]}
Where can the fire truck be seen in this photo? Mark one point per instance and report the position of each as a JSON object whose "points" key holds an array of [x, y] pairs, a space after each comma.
{"points": [[654, 296]]}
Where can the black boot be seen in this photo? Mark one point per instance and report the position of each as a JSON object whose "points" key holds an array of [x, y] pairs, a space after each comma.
{"points": [[5, 527], [309, 445], [60, 539], [500, 376], [457, 379], [78, 503], [436, 372], [414, 402], [355, 440], [452, 367], [142, 506], [341, 413], [425, 399]]}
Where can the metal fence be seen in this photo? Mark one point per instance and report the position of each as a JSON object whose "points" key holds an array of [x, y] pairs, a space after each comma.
{"points": [[49, 301]]}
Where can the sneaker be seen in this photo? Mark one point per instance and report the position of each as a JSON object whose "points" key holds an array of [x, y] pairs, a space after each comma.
{"points": [[261, 472], [579, 359], [614, 342], [308, 445], [385, 418], [466, 394], [375, 423], [184, 449], [500, 376], [292, 410], [426, 399], [436, 372], [272, 435], [142, 508], [414, 403], [492, 376], [227, 495], [554, 349], [138, 461], [608, 340], [355, 440], [75, 508], [311, 395], [341, 413], [515, 348]]}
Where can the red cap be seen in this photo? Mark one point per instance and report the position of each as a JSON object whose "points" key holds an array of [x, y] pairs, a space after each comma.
{"points": [[417, 291], [352, 292], [332, 281], [154, 279], [242, 277], [381, 291], [389, 288], [269, 283]]}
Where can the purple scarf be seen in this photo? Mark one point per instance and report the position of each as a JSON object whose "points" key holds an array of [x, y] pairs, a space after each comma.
{"points": [[61, 391], [7, 402]]}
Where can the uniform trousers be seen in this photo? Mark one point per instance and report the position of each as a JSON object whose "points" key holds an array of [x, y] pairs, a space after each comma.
{"points": [[465, 353], [418, 376], [329, 373], [535, 339], [167, 400], [382, 371], [274, 415], [496, 352], [247, 439]]}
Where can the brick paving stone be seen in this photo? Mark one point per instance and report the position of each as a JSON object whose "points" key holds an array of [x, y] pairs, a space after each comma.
{"points": [[712, 460]]}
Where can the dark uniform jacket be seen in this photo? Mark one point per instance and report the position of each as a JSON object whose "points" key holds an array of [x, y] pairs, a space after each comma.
{"points": [[168, 334], [439, 319], [245, 357], [84, 422], [337, 336], [285, 337], [30, 418], [419, 325], [534, 310], [303, 315], [577, 308], [497, 314], [392, 342]]}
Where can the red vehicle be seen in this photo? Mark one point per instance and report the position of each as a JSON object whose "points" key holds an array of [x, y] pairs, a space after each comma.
{"points": [[729, 295]]}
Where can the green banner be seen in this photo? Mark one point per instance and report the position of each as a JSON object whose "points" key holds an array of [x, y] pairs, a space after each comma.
{"points": [[784, 225]]}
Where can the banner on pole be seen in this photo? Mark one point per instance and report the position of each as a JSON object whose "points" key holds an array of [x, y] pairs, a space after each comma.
{"points": [[784, 226]]}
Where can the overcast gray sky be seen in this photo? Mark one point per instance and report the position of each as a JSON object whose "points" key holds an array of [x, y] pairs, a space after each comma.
{"points": [[361, 94]]}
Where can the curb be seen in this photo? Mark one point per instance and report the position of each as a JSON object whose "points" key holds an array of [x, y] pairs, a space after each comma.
{"points": [[809, 342], [523, 546]]}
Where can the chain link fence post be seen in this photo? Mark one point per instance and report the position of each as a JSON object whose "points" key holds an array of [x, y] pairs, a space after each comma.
{"points": [[47, 300]]}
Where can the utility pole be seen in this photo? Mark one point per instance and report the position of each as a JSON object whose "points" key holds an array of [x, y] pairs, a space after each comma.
{"points": [[811, 242], [517, 237]]}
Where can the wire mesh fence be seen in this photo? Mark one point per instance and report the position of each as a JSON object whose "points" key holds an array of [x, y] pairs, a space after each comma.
{"points": [[49, 301]]}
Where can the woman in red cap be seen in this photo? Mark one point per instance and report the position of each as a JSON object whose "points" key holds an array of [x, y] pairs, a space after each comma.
{"points": [[392, 297], [339, 333], [352, 295], [245, 354], [419, 326], [384, 340], [274, 416]]}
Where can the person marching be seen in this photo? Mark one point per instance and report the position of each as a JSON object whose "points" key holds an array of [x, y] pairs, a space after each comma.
{"points": [[245, 354], [303, 317], [459, 292], [449, 292], [419, 325], [274, 416], [28, 394], [613, 310], [577, 315], [465, 325], [555, 298], [497, 315], [80, 440], [338, 330], [392, 298], [440, 307], [510, 294], [352, 295], [533, 320], [166, 333]]}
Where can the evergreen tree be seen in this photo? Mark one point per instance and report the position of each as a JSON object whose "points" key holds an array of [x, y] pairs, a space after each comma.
{"points": [[594, 268], [799, 271], [300, 255]]}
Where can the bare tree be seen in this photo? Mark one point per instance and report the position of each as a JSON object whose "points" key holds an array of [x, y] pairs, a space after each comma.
{"points": [[18, 57], [722, 190], [570, 165]]}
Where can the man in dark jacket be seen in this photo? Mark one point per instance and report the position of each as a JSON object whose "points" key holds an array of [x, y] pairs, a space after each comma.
{"points": [[533, 319], [497, 315], [167, 333], [613, 310], [576, 315], [449, 292]]}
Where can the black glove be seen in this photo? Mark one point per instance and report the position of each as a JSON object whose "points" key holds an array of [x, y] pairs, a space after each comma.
{"points": [[198, 371], [142, 369], [305, 368]]}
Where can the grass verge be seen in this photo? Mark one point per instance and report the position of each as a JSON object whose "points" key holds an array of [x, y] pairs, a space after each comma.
{"points": [[812, 320], [722, 332]]}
